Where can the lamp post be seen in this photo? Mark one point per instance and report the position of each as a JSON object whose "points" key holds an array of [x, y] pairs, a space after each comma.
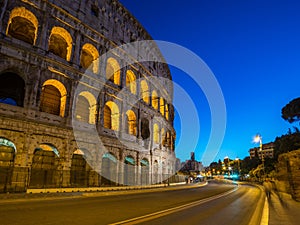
{"points": [[258, 139]]}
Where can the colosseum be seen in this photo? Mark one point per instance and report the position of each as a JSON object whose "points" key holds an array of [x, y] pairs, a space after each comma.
{"points": [[76, 110]]}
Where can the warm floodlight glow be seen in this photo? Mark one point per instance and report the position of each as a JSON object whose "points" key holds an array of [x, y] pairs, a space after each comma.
{"points": [[257, 138]]}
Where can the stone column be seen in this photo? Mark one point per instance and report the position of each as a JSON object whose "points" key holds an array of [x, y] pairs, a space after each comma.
{"points": [[120, 166]]}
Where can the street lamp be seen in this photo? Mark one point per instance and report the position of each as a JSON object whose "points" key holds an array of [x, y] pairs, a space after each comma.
{"points": [[258, 139]]}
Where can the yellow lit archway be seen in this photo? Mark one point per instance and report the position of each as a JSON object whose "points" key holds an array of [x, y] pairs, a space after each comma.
{"points": [[111, 116], [60, 43], [47, 102], [154, 100], [88, 57], [84, 112], [167, 111], [144, 91], [156, 133], [131, 81], [23, 25], [113, 71], [162, 106], [131, 122]]}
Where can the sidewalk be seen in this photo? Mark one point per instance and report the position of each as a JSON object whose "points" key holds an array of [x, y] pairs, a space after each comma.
{"points": [[283, 210], [43, 194]]}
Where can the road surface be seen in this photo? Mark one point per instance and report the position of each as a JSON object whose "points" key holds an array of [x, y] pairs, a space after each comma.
{"points": [[215, 203]]}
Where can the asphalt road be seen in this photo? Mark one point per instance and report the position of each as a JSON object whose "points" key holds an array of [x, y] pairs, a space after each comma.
{"points": [[211, 204]]}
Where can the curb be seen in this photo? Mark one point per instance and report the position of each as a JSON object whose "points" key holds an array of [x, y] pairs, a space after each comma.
{"points": [[261, 212]]}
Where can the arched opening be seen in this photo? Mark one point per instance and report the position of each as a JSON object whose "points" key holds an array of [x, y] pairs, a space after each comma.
{"points": [[131, 122], [167, 111], [79, 169], [129, 170], [86, 108], [154, 100], [131, 81], [7, 156], [12, 89], [60, 43], [109, 170], [53, 98], [168, 139], [22, 25], [44, 173], [111, 116], [82, 109], [156, 133], [173, 138], [145, 172], [155, 172], [162, 106], [145, 133], [144, 90], [88, 58], [113, 71]]}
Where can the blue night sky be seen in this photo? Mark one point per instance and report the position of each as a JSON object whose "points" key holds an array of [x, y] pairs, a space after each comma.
{"points": [[253, 49]]}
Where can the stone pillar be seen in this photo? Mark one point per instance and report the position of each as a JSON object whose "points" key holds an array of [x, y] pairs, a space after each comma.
{"points": [[138, 170], [77, 48], [44, 33], [121, 168]]}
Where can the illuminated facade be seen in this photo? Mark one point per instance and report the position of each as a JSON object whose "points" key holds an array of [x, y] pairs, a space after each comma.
{"points": [[267, 151], [46, 49]]}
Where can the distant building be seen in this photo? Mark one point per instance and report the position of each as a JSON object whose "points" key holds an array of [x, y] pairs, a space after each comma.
{"points": [[191, 165], [177, 164], [267, 151]]}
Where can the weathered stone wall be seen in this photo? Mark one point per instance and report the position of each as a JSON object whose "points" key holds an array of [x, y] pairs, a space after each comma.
{"points": [[104, 24], [288, 173]]}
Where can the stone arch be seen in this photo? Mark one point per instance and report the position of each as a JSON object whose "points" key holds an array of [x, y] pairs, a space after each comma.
{"points": [[8, 151], [79, 173], [162, 106], [156, 133], [53, 97], [109, 169], [86, 107], [60, 43], [168, 139], [129, 170], [111, 116], [44, 173], [131, 81], [145, 130], [22, 25], [113, 72], [167, 111], [144, 91], [88, 58], [155, 100], [145, 169], [12, 89], [131, 122]]}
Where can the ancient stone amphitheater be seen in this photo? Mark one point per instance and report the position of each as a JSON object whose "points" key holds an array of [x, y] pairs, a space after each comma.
{"points": [[76, 108]]}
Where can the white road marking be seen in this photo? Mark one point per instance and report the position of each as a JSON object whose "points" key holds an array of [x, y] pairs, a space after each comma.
{"points": [[158, 214]]}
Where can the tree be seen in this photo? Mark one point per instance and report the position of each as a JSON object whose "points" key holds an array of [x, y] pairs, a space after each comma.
{"points": [[286, 143], [291, 112], [248, 164]]}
